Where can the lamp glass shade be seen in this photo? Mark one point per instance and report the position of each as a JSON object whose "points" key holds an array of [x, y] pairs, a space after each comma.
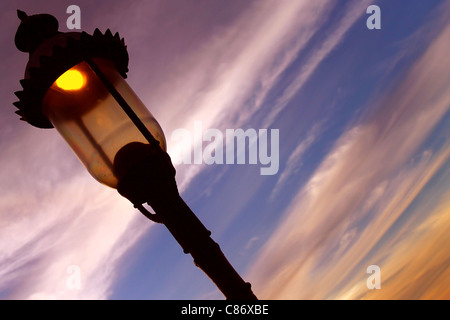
{"points": [[92, 122]]}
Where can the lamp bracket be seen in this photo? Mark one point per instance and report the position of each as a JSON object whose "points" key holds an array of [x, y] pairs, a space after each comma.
{"points": [[151, 216]]}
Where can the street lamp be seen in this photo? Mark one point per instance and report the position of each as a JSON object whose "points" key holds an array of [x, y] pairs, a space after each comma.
{"points": [[75, 82]]}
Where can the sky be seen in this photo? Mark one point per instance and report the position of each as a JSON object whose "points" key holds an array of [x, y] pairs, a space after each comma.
{"points": [[363, 154]]}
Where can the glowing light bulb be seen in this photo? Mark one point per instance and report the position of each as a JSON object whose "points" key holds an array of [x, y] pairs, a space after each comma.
{"points": [[71, 80]]}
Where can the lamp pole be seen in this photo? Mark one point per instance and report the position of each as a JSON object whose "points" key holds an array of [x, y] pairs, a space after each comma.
{"points": [[135, 161]]}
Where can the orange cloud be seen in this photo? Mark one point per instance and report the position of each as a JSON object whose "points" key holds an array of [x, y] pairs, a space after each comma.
{"points": [[358, 197]]}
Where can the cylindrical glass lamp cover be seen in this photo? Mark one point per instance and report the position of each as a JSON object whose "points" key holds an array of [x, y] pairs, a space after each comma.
{"points": [[92, 122]]}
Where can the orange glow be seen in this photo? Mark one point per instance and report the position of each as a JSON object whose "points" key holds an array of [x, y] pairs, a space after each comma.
{"points": [[71, 80]]}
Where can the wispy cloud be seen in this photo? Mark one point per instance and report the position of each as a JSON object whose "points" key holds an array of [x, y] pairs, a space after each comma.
{"points": [[58, 218], [233, 72], [354, 10], [294, 162], [331, 226], [413, 261], [53, 215], [227, 80], [212, 83]]}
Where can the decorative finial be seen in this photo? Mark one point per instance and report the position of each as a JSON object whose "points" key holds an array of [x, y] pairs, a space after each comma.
{"points": [[22, 15], [33, 30]]}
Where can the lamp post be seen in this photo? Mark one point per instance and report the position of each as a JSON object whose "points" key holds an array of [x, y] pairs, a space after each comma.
{"points": [[75, 82]]}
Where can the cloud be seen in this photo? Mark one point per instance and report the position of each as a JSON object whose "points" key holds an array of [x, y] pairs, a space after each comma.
{"points": [[413, 263], [353, 10], [294, 161], [331, 227], [62, 231], [227, 79], [53, 216], [62, 218]]}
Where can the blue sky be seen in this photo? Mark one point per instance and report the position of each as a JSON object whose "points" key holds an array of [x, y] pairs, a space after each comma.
{"points": [[363, 118]]}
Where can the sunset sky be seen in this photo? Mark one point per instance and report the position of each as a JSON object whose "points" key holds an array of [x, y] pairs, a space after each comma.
{"points": [[364, 153]]}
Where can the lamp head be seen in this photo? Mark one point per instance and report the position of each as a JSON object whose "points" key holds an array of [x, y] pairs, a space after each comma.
{"points": [[72, 81], [52, 53]]}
